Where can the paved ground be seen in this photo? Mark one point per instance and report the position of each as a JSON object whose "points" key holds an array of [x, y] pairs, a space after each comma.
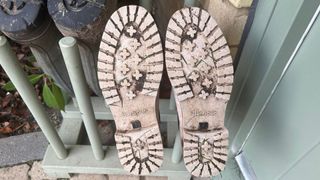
{"points": [[35, 172], [22, 148]]}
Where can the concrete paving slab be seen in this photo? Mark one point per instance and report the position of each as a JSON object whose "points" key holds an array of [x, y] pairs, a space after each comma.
{"points": [[19, 172], [22, 148], [36, 172]]}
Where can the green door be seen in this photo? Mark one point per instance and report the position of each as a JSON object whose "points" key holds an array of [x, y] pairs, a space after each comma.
{"points": [[274, 115], [286, 137]]}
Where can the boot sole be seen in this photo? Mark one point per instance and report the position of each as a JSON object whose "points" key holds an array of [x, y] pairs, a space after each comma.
{"points": [[130, 65], [200, 70]]}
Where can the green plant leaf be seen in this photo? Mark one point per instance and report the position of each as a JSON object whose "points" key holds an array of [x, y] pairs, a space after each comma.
{"points": [[31, 58], [9, 86], [58, 95], [33, 79], [30, 68], [53, 96], [48, 97]]}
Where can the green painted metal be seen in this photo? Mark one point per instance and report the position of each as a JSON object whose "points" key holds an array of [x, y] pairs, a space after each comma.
{"points": [[243, 92], [172, 129], [177, 149], [71, 133], [231, 171], [172, 104], [147, 4], [273, 108], [172, 126], [306, 167], [71, 55], [283, 31], [12, 67], [81, 160], [192, 3], [287, 132], [102, 112], [81, 157]]}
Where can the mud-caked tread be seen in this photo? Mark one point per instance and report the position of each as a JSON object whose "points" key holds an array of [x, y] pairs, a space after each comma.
{"points": [[200, 70], [143, 155], [130, 42], [205, 153], [194, 40], [130, 65], [19, 17]]}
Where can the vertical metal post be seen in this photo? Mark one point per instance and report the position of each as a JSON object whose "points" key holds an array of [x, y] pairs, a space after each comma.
{"points": [[177, 149], [177, 146], [146, 4], [172, 104], [11, 66], [71, 55], [191, 3], [172, 126]]}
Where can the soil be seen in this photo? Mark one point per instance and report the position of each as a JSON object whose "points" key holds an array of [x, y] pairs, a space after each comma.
{"points": [[15, 117]]}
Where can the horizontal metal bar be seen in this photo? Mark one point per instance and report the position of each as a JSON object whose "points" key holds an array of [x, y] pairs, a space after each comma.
{"points": [[103, 113], [245, 168], [81, 160]]}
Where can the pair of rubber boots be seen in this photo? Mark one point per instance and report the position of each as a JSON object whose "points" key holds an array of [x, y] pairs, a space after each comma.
{"points": [[40, 24], [199, 65]]}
